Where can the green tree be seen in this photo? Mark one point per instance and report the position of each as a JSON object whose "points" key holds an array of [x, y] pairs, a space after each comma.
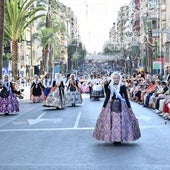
{"points": [[50, 29], [71, 50], [76, 54], [44, 37], [2, 5], [81, 53], [55, 22], [19, 14], [48, 37], [110, 49]]}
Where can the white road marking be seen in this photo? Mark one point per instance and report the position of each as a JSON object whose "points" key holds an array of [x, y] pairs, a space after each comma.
{"points": [[40, 116], [40, 119], [35, 121], [77, 120], [68, 129], [45, 129]]}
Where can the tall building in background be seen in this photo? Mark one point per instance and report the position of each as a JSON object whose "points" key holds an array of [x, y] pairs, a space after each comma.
{"points": [[148, 22]]}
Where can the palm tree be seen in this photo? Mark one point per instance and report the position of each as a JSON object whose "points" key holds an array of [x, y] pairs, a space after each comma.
{"points": [[44, 36], [2, 4], [76, 54], [48, 37], [55, 22], [19, 14]]}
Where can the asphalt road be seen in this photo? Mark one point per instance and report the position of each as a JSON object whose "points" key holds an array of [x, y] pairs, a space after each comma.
{"points": [[39, 138]]}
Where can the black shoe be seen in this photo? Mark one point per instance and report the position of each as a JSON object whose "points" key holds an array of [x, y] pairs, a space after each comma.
{"points": [[117, 143], [20, 97], [6, 114]]}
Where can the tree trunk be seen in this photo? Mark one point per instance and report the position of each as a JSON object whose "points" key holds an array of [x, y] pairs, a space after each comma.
{"points": [[69, 69], [2, 4], [14, 60], [43, 63], [50, 59]]}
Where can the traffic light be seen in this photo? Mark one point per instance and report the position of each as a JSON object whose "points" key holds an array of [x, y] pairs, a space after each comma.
{"points": [[150, 32]]}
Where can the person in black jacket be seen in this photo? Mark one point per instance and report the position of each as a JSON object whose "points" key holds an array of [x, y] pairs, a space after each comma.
{"points": [[117, 122], [36, 90]]}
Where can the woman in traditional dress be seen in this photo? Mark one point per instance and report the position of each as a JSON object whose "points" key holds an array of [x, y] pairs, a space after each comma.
{"points": [[97, 88], [36, 90], [116, 122], [56, 97], [47, 83], [73, 95], [9, 102]]}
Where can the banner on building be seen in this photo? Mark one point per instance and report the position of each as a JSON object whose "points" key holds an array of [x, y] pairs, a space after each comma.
{"points": [[57, 69]]}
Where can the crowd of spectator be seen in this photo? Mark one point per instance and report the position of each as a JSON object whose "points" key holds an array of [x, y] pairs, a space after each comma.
{"points": [[93, 67], [151, 92]]}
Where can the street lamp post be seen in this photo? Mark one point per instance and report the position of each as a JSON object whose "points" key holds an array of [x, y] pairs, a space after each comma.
{"points": [[160, 37], [31, 52]]}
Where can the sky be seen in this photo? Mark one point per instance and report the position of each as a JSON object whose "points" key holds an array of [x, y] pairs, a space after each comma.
{"points": [[95, 19]]}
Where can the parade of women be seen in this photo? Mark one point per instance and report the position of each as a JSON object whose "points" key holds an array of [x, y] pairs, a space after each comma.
{"points": [[116, 122]]}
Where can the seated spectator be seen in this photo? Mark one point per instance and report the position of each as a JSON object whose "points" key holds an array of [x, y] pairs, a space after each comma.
{"points": [[146, 93], [160, 100], [166, 109], [136, 90], [160, 90]]}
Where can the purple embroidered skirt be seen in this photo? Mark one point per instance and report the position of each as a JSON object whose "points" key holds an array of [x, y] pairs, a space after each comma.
{"points": [[117, 127], [9, 104]]}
